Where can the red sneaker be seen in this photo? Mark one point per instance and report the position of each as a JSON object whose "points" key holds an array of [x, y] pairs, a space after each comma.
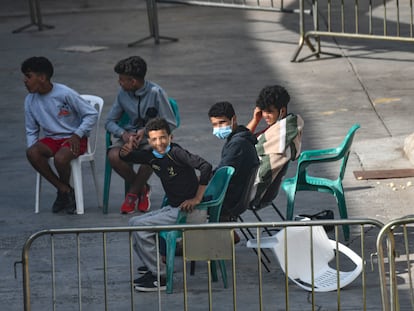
{"points": [[129, 204], [144, 203]]}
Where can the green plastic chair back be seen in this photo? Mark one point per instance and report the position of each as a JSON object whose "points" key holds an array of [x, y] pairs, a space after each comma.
{"points": [[214, 194], [303, 181], [108, 169]]}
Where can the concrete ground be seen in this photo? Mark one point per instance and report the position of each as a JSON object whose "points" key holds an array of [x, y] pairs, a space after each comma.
{"points": [[221, 54]]}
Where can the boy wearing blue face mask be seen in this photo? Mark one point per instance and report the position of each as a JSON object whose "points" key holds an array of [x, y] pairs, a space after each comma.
{"points": [[238, 151], [175, 167]]}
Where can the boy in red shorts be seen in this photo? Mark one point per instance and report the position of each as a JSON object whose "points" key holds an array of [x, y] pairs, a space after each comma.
{"points": [[65, 119]]}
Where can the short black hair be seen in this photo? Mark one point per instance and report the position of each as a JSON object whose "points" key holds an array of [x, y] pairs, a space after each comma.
{"points": [[274, 95], [157, 124], [221, 109], [133, 66], [38, 64]]}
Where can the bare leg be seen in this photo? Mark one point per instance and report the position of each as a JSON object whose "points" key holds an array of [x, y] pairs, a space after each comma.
{"points": [[38, 156], [126, 171], [62, 163]]}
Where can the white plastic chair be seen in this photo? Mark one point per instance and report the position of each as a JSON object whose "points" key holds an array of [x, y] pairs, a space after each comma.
{"points": [[299, 264], [76, 164]]}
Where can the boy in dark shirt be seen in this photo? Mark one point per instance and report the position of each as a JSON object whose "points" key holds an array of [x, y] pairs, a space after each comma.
{"points": [[175, 167]]}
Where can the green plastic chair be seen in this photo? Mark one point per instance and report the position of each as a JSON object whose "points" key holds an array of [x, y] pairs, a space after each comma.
{"points": [[215, 193], [108, 142], [303, 181]]}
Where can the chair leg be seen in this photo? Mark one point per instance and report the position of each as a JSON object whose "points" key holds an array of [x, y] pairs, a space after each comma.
{"points": [[340, 198], [254, 250], [278, 212], [107, 185], [38, 190], [170, 260], [213, 268], [223, 271], [290, 194], [95, 180], [78, 185]]}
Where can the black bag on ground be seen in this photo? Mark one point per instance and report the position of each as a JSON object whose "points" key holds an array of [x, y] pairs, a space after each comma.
{"points": [[324, 215]]}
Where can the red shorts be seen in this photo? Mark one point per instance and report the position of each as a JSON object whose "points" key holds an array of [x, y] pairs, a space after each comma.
{"points": [[56, 144]]}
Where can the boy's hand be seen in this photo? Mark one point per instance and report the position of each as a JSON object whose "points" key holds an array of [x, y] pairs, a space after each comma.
{"points": [[188, 205], [138, 137], [257, 114], [74, 142], [128, 147]]}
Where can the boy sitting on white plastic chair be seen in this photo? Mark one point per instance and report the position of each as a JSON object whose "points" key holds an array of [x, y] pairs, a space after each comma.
{"points": [[66, 120], [175, 167]]}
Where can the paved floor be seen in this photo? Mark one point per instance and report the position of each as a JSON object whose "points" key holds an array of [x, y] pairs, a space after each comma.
{"points": [[221, 54]]}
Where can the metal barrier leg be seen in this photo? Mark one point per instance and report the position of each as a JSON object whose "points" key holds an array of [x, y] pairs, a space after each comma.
{"points": [[35, 18], [152, 13]]}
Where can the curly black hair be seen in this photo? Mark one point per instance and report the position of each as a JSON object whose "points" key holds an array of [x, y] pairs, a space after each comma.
{"points": [[133, 66], [274, 95]]}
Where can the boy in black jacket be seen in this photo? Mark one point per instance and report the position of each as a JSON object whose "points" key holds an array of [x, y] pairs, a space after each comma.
{"points": [[238, 151], [175, 167]]}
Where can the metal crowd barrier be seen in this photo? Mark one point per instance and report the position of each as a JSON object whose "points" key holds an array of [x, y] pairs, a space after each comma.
{"points": [[93, 268], [395, 246], [357, 19], [257, 5], [35, 18]]}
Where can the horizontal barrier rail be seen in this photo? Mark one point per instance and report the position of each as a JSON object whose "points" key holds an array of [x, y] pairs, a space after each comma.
{"points": [[354, 19], [90, 268], [395, 246]]}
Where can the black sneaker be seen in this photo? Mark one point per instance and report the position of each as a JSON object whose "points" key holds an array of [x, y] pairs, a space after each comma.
{"points": [[151, 284], [60, 202], [70, 206], [142, 270], [142, 279]]}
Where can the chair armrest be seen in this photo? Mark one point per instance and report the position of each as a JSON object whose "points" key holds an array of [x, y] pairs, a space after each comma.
{"points": [[322, 155]]}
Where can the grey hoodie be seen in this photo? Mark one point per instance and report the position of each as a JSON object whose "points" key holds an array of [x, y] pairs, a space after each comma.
{"points": [[146, 103]]}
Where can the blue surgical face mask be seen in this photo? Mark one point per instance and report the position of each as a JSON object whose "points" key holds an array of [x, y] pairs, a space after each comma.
{"points": [[159, 155], [222, 132]]}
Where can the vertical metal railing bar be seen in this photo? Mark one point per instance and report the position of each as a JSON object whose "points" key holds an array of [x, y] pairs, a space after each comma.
{"points": [[131, 269], [397, 4], [233, 266], [364, 280], [342, 16], [411, 18], [210, 291], [105, 268], [407, 252], [285, 249], [157, 247], [259, 267], [329, 15], [356, 16], [184, 273], [78, 260], [392, 266], [312, 263], [370, 17], [316, 22], [52, 254], [385, 17], [338, 275], [381, 267]]}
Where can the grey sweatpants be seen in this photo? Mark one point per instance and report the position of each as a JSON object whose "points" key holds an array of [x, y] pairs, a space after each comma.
{"points": [[144, 241]]}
